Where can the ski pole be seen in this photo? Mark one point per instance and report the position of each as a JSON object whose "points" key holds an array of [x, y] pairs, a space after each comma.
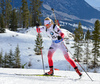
{"points": [[54, 15], [83, 69], [42, 61], [81, 66], [37, 24]]}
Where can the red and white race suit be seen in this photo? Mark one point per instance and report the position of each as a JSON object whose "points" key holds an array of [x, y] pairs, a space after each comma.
{"points": [[56, 44]]}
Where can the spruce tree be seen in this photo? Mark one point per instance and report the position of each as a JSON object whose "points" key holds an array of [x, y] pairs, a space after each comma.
{"points": [[3, 7], [30, 19], [17, 57], [2, 25], [1, 58], [78, 51], [38, 45], [2, 16], [87, 48], [5, 61], [88, 36], [25, 13], [78, 39], [96, 43], [78, 33], [0, 4], [35, 9], [11, 59], [13, 21], [19, 16], [8, 10]]}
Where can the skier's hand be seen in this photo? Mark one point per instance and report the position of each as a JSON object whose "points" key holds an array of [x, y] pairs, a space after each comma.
{"points": [[59, 37], [37, 24]]}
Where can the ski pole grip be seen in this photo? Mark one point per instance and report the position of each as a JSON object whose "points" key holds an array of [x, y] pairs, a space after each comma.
{"points": [[52, 9], [37, 24]]}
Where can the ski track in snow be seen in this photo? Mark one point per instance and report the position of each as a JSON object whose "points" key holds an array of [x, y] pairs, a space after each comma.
{"points": [[7, 76]]}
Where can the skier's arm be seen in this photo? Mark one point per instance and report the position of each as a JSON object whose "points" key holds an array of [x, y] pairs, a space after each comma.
{"points": [[61, 34], [38, 29]]}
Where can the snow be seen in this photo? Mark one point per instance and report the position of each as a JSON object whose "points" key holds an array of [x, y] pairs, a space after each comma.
{"points": [[8, 76], [26, 41]]}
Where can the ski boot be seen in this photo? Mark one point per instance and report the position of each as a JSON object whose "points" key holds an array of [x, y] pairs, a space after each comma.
{"points": [[77, 70], [51, 72]]}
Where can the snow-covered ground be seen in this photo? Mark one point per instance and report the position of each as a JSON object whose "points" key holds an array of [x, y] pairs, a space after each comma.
{"points": [[8, 76], [26, 42]]}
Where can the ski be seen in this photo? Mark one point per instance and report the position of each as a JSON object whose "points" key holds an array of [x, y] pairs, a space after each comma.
{"points": [[38, 75]]}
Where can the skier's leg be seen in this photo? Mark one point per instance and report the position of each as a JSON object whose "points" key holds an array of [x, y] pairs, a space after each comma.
{"points": [[51, 51], [67, 57]]}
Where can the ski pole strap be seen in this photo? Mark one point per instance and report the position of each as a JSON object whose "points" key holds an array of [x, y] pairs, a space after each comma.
{"points": [[57, 41]]}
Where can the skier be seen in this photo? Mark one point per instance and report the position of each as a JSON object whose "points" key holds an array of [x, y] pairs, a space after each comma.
{"points": [[57, 37]]}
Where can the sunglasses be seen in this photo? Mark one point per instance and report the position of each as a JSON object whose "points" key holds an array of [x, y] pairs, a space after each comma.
{"points": [[47, 25]]}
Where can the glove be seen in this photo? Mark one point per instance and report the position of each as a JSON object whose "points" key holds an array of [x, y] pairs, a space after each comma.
{"points": [[59, 37]]}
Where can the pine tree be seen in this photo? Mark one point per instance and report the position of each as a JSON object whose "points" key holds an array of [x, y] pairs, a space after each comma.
{"points": [[78, 33], [0, 5], [5, 61], [19, 16], [2, 25], [87, 50], [11, 59], [8, 10], [3, 7], [78, 39], [2, 21], [38, 45], [1, 58], [2, 16], [25, 14], [96, 43], [35, 9], [78, 51], [30, 19], [17, 57], [88, 36], [14, 20]]}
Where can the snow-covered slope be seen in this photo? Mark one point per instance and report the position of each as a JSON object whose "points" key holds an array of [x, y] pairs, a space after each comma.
{"points": [[26, 42], [7, 76]]}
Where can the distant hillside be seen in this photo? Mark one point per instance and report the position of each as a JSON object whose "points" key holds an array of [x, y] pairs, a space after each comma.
{"points": [[69, 11]]}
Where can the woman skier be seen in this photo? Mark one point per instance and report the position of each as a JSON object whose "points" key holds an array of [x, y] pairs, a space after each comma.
{"points": [[57, 42]]}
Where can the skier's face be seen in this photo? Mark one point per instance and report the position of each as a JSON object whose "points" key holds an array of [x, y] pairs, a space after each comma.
{"points": [[47, 23]]}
